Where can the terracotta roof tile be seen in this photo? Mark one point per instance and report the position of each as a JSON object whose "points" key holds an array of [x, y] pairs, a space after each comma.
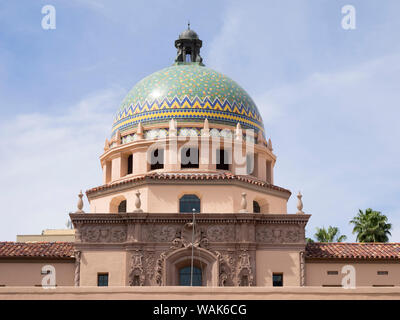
{"points": [[313, 250], [361, 251], [189, 176], [36, 249]]}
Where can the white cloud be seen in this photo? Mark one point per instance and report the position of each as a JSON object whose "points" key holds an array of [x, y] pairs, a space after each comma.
{"points": [[336, 136], [48, 158]]}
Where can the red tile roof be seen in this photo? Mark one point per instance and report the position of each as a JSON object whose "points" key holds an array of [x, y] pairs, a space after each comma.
{"points": [[362, 251], [189, 176], [359, 251], [36, 249]]}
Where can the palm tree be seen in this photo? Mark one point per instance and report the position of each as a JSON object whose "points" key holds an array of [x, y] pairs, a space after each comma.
{"points": [[371, 226], [330, 235]]}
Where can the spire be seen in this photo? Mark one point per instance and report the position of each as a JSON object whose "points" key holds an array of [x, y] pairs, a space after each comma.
{"points": [[188, 45]]}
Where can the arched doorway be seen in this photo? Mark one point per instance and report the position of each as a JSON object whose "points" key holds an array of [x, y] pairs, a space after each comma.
{"points": [[185, 276]]}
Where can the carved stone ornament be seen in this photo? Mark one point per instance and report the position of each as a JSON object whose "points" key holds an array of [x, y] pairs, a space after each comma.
{"points": [[77, 268], [222, 233], [244, 271], [278, 234], [188, 237], [302, 269], [138, 203], [161, 233], [103, 234], [80, 203], [137, 274]]}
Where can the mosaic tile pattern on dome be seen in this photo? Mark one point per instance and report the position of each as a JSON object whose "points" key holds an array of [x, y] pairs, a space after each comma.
{"points": [[187, 92]]}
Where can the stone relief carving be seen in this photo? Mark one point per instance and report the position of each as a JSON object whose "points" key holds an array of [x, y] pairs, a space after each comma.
{"points": [[244, 276], [302, 269], [149, 262], [221, 233], [77, 268], [159, 269], [136, 274], [278, 234], [103, 234], [226, 269], [161, 233]]}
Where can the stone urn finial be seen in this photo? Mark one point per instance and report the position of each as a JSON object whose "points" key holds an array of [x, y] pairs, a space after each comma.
{"points": [[138, 203], [300, 204], [80, 203], [243, 203]]}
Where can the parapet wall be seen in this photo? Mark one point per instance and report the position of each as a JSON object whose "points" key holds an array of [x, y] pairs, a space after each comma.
{"points": [[199, 293]]}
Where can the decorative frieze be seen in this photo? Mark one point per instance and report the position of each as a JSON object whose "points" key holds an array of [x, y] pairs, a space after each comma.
{"points": [[103, 234], [221, 233], [278, 234]]}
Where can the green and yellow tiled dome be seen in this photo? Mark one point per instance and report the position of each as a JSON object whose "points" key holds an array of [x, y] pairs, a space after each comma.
{"points": [[187, 92]]}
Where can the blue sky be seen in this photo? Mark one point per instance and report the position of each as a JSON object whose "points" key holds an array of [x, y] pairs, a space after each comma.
{"points": [[329, 97]]}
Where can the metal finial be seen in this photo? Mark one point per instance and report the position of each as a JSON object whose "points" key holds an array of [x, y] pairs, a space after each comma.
{"points": [[188, 24]]}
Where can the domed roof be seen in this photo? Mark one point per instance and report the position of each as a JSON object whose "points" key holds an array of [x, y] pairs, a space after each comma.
{"points": [[187, 92], [188, 34]]}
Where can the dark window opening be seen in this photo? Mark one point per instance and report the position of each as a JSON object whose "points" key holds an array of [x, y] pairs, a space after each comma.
{"points": [[189, 158], [157, 159], [136, 280], [256, 207], [130, 165], [185, 276], [277, 280], [189, 202], [332, 285], [102, 280], [222, 160], [122, 207], [333, 273], [383, 273], [244, 281]]}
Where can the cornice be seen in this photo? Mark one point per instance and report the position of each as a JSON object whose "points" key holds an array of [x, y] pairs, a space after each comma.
{"points": [[225, 218]]}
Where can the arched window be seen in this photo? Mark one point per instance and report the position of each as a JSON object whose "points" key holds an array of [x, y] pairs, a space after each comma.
{"points": [[122, 207], [189, 202], [222, 160], [256, 207], [189, 158], [130, 165], [185, 275], [157, 159]]}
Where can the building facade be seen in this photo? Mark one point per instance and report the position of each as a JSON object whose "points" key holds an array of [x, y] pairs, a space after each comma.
{"points": [[188, 198]]}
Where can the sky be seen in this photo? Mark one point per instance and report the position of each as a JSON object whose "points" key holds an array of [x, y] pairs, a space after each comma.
{"points": [[329, 96]]}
